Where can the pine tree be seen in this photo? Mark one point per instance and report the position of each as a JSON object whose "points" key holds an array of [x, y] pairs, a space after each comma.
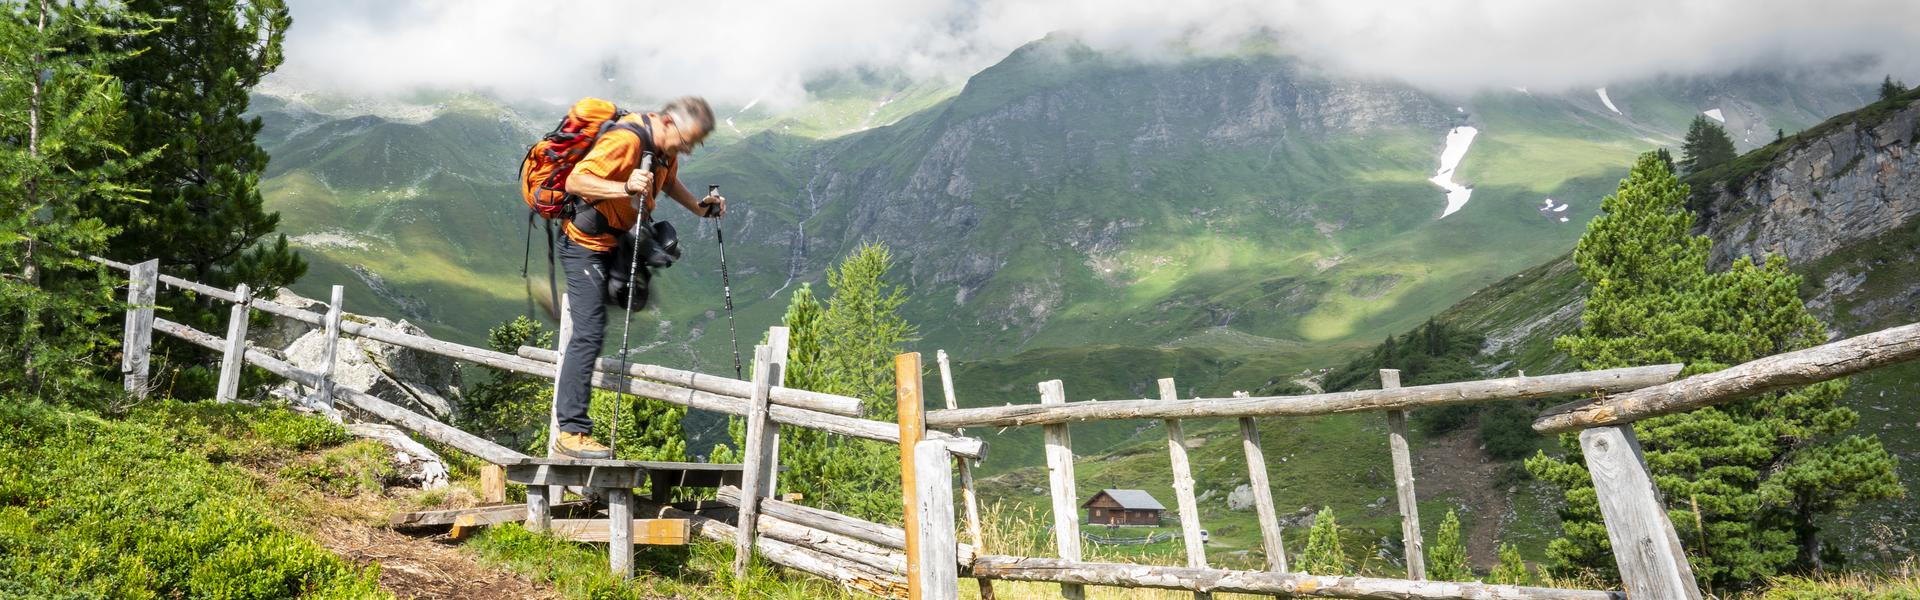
{"points": [[1890, 89], [511, 407], [1762, 470], [1512, 569], [188, 89], [63, 112], [1707, 144], [1447, 556], [1323, 555]]}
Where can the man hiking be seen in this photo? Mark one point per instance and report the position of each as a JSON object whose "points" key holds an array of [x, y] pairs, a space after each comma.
{"points": [[599, 243]]}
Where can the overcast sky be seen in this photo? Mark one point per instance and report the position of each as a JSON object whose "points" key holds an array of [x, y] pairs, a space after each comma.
{"points": [[737, 51]]}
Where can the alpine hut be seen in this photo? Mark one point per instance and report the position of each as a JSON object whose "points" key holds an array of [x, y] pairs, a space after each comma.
{"points": [[1123, 507]]}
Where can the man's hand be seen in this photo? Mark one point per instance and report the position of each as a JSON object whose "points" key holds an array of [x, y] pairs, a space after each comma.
{"points": [[715, 204], [640, 182]]}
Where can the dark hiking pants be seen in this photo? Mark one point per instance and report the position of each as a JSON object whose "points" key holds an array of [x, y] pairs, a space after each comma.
{"points": [[588, 274]]}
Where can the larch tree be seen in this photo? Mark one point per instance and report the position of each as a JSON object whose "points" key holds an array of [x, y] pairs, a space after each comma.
{"points": [[1762, 471]]}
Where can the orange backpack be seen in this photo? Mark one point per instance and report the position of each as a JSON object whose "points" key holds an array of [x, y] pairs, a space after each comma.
{"points": [[544, 170]]}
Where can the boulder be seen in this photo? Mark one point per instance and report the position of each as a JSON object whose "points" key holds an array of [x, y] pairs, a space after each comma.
{"points": [[422, 382], [1241, 498]]}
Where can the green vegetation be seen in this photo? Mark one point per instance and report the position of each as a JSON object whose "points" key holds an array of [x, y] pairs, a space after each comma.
{"points": [[1322, 555], [1707, 146], [1447, 554], [510, 407], [1761, 471], [1890, 89], [150, 507], [1512, 570]]}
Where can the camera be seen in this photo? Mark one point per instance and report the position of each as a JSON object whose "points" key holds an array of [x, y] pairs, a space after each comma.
{"points": [[657, 245]]}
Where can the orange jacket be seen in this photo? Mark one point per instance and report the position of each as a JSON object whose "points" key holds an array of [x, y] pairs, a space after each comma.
{"points": [[613, 158]]}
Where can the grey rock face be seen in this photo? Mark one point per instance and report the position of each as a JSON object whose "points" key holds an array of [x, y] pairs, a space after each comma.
{"points": [[1241, 498], [421, 382]]}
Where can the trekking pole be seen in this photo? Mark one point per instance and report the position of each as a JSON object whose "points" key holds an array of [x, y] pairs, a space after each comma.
{"points": [[726, 287], [626, 322]]}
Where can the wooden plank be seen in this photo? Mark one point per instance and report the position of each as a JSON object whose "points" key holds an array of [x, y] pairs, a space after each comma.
{"points": [[233, 357], [643, 532], [939, 576], [577, 475], [493, 484], [487, 515], [1415, 549], [539, 514], [1468, 392], [804, 399], [1183, 487], [619, 528], [1066, 500], [850, 574], [968, 496], [1653, 566], [884, 536], [911, 406], [1781, 371], [136, 346], [1284, 585], [327, 366], [1270, 540], [888, 560], [777, 338], [757, 455]]}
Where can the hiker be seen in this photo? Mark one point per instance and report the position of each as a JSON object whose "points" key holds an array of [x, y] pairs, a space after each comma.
{"points": [[599, 245]]}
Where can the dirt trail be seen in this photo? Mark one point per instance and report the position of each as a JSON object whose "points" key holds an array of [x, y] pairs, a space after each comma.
{"points": [[1453, 465], [421, 567]]}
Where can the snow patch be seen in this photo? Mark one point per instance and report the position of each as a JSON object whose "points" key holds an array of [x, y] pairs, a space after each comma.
{"points": [[1522, 90], [1563, 219], [1457, 141], [1607, 101], [1715, 114]]}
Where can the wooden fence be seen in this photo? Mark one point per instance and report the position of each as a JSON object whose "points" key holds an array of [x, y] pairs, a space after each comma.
{"points": [[925, 559]]}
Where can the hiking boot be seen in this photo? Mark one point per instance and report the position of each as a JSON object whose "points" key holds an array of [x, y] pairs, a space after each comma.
{"points": [[580, 445]]}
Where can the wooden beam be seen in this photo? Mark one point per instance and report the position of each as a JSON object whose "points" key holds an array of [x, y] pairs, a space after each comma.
{"points": [[939, 577], [539, 512], [136, 346], [327, 363], [485, 515], [1653, 566], [1284, 585], [848, 573], [644, 532], [910, 408], [233, 357], [884, 536], [1780, 371], [1415, 549], [777, 340], [753, 477], [968, 496], [1467, 392], [1066, 500], [493, 484], [619, 530], [577, 475], [1183, 487], [553, 403], [1270, 540], [804, 399]]}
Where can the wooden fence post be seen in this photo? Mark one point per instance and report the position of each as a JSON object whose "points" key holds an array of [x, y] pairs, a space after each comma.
{"points": [[493, 485], [938, 550], [912, 408], [1183, 487], [234, 359], [1066, 501], [136, 346], [967, 494], [1415, 549], [555, 492], [752, 478], [620, 531], [334, 313], [777, 341], [1270, 540], [1653, 566]]}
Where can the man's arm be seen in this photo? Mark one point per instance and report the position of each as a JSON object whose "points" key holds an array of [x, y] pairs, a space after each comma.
{"points": [[595, 187]]}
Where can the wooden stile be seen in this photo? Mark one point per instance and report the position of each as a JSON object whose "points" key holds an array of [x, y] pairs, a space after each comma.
{"points": [[539, 513], [753, 479], [1066, 500], [911, 405], [233, 359], [1183, 487], [136, 347], [334, 313], [1653, 566], [938, 569], [620, 531], [1415, 549], [967, 494]]}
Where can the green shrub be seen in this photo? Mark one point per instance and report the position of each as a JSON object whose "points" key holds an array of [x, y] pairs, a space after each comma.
{"points": [[1447, 555], [1512, 569], [126, 509], [361, 467], [1323, 555]]}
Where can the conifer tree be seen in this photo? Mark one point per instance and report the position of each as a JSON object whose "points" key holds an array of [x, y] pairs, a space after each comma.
{"points": [[510, 407], [61, 112], [1512, 569], [188, 87], [1323, 555], [1762, 470], [1707, 144], [1447, 556], [1890, 89]]}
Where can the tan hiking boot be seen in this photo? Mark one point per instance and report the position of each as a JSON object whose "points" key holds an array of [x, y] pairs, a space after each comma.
{"points": [[580, 445]]}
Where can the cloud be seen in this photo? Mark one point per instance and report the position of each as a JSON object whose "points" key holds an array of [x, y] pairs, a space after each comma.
{"points": [[738, 51]]}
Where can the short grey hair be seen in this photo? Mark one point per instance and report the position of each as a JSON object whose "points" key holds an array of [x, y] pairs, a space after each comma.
{"points": [[691, 109]]}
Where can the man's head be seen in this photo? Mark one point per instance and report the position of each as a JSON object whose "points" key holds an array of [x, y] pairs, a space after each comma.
{"points": [[689, 120]]}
